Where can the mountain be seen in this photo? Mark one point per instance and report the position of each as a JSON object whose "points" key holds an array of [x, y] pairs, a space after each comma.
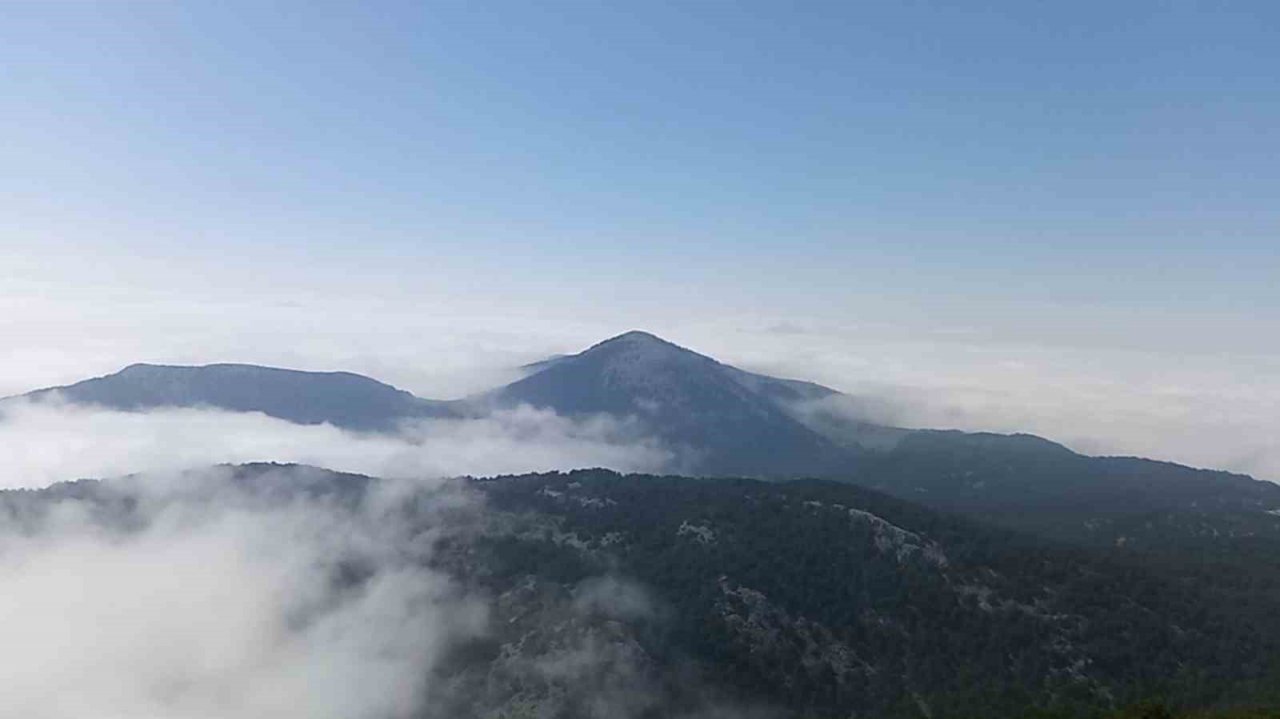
{"points": [[1032, 483], [722, 421], [739, 423], [342, 399], [647, 596], [726, 421]]}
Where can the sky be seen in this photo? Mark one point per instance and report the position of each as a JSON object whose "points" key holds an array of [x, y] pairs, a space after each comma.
{"points": [[1046, 217]]}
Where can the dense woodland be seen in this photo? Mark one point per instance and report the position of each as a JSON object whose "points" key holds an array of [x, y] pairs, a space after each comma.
{"points": [[780, 589], [808, 598]]}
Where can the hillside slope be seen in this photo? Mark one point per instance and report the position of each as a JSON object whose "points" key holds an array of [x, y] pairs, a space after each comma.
{"points": [[342, 399], [644, 596]]}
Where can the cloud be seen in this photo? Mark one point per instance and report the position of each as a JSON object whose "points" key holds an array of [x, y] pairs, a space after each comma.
{"points": [[288, 592], [1199, 390], [220, 603], [613, 597], [786, 328], [1194, 406], [1216, 426], [46, 443]]}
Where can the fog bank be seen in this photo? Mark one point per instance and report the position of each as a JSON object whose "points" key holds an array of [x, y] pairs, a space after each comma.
{"points": [[46, 443]]}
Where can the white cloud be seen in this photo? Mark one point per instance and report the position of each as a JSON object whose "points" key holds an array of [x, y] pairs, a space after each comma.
{"points": [[222, 606], [213, 594], [45, 443], [1194, 389], [1197, 407]]}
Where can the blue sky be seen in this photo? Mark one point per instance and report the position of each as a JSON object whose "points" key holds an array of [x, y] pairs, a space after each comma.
{"points": [[1095, 151], [1095, 180]]}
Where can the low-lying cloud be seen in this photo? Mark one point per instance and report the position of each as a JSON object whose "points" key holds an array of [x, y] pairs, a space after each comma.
{"points": [[48, 442], [211, 603], [291, 592], [1191, 405]]}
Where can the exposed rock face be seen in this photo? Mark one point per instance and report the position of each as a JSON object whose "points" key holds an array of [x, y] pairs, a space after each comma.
{"points": [[772, 637]]}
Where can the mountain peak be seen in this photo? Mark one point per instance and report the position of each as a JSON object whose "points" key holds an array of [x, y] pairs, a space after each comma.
{"points": [[641, 347], [139, 368], [631, 352], [736, 421], [636, 338]]}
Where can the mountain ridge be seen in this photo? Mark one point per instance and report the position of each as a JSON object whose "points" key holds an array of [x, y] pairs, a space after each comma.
{"points": [[724, 421], [344, 399]]}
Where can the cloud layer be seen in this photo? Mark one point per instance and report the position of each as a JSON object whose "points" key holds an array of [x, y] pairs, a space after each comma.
{"points": [[47, 443], [290, 592], [1193, 388], [216, 604], [1191, 405]]}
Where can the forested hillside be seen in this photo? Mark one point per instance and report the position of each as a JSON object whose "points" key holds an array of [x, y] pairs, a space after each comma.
{"points": [[836, 599], [613, 595]]}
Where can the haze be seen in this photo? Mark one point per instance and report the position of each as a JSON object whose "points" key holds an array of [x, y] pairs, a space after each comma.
{"points": [[1058, 220]]}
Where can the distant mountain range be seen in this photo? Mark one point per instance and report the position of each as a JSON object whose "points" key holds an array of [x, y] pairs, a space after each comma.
{"points": [[817, 595], [723, 421]]}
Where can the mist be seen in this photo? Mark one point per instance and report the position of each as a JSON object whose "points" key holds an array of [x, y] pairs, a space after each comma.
{"points": [[288, 591], [213, 602], [1101, 381], [1193, 405], [50, 442]]}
